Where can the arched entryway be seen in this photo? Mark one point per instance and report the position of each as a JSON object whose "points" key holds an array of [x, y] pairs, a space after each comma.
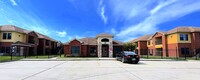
{"points": [[105, 47]]}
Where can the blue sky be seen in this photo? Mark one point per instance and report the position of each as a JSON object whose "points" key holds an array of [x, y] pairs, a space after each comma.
{"points": [[126, 19]]}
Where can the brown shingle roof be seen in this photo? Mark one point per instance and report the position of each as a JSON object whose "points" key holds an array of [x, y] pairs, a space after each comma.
{"points": [[45, 37], [93, 41], [142, 38], [115, 42], [184, 29], [89, 41], [12, 28], [104, 35]]}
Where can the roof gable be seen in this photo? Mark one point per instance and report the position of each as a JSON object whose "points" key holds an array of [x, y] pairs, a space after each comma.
{"points": [[33, 33], [76, 40], [162, 33], [104, 35]]}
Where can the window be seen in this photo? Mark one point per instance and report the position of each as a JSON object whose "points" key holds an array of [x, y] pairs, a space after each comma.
{"points": [[3, 50], [4, 35], [31, 39], [184, 37], [184, 51], [7, 49], [92, 50], [105, 40], [47, 42], [7, 35]]}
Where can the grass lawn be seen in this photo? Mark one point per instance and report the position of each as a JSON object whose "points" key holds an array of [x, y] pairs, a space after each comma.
{"points": [[62, 56], [39, 57], [159, 57], [79, 57], [15, 58], [8, 58]]}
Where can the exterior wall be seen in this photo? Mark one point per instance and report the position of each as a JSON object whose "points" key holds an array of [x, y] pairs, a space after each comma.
{"points": [[185, 45], [5, 44], [15, 37], [172, 50], [163, 45], [84, 49], [53, 47], [66, 50], [174, 44], [34, 46], [151, 43], [175, 38], [142, 48], [151, 50], [189, 38], [41, 47], [195, 40], [75, 43], [172, 38]]}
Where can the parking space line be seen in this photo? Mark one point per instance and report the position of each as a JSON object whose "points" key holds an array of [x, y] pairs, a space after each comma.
{"points": [[98, 63], [43, 71], [129, 72]]}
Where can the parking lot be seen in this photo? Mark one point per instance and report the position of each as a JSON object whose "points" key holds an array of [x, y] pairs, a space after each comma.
{"points": [[99, 70]]}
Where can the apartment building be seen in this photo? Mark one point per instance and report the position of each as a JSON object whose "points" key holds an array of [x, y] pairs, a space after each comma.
{"points": [[101, 46], [178, 42], [24, 42], [141, 44]]}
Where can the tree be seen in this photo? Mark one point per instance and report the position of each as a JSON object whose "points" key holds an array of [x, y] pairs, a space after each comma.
{"points": [[129, 46]]}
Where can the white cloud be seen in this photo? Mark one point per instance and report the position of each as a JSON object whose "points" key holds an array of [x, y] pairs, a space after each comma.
{"points": [[128, 9], [61, 33], [13, 2], [42, 30], [103, 14], [161, 5], [165, 11], [101, 10], [113, 31]]}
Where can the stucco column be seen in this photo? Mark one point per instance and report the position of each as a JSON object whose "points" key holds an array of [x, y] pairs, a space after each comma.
{"points": [[110, 50], [99, 50]]}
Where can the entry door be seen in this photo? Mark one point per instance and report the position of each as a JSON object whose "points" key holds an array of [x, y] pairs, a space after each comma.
{"points": [[105, 52]]}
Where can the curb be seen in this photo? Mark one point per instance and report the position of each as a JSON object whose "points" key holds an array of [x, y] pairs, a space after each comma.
{"points": [[96, 59], [68, 60]]}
